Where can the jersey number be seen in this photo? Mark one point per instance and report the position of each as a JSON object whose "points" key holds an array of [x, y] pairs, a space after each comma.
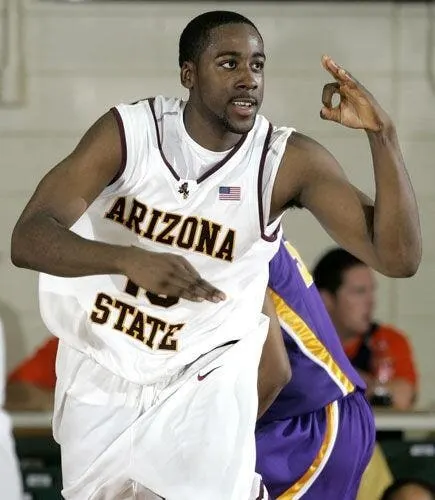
{"points": [[157, 300]]}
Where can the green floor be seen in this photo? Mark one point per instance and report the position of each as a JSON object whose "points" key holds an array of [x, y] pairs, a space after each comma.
{"points": [[413, 459], [40, 466], [40, 463]]}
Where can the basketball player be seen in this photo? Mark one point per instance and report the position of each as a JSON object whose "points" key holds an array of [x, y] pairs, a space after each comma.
{"points": [[154, 238], [317, 438]]}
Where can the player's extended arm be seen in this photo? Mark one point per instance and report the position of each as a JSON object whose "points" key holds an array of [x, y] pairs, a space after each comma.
{"points": [[274, 371], [384, 234], [42, 240]]}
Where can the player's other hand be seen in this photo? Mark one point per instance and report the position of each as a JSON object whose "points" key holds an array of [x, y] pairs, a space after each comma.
{"points": [[168, 274], [357, 108]]}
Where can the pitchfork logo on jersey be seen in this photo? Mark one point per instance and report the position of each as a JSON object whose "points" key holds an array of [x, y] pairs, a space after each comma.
{"points": [[184, 190], [229, 193]]}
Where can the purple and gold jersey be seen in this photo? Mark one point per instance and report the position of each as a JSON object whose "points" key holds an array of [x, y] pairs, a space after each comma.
{"points": [[321, 371]]}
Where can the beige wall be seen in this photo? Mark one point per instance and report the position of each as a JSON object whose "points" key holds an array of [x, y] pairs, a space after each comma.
{"points": [[81, 59]]}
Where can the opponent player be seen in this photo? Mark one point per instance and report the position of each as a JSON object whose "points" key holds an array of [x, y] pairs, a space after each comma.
{"points": [[317, 438], [207, 180]]}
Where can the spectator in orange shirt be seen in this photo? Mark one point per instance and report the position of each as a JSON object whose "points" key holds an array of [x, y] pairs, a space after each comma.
{"points": [[30, 387], [381, 353]]}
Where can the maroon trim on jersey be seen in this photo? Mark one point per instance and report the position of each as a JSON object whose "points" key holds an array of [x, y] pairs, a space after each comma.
{"points": [[224, 159], [140, 100], [159, 142], [123, 145], [209, 172], [261, 492], [274, 235]]}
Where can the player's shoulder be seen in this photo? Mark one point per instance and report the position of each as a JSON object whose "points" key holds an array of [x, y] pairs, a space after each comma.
{"points": [[302, 143], [157, 104], [281, 131], [306, 158], [276, 135]]}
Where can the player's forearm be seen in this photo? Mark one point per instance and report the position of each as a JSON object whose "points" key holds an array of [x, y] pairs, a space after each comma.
{"points": [[396, 226], [43, 244]]}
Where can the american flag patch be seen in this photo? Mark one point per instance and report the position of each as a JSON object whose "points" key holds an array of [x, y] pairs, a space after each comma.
{"points": [[229, 192]]}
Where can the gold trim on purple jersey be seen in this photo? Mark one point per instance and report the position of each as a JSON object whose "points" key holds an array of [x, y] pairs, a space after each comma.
{"points": [[309, 343]]}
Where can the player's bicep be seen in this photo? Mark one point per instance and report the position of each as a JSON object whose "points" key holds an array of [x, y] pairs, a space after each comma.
{"points": [[71, 186], [337, 206], [343, 210]]}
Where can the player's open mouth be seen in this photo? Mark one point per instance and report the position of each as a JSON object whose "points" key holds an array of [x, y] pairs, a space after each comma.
{"points": [[244, 107]]}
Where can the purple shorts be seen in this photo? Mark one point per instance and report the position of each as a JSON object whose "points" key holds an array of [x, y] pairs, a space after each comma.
{"points": [[318, 455]]}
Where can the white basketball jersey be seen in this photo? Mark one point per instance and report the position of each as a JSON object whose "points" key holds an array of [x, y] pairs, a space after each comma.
{"points": [[215, 216]]}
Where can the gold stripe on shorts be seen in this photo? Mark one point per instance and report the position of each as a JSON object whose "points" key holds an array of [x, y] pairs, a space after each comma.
{"points": [[319, 462]]}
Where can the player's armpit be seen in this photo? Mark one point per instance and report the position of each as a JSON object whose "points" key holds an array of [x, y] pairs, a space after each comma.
{"points": [[274, 370]]}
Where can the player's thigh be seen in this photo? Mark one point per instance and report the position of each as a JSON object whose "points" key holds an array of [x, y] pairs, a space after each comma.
{"points": [[200, 440], [91, 435]]}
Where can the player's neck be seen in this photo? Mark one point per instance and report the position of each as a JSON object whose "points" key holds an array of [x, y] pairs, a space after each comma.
{"points": [[208, 134]]}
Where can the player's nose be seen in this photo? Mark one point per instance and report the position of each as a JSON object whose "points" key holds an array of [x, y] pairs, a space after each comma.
{"points": [[247, 79]]}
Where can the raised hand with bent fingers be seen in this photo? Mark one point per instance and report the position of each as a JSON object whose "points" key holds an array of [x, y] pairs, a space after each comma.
{"points": [[357, 107]]}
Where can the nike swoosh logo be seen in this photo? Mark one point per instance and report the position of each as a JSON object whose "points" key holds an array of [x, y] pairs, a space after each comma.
{"points": [[202, 377]]}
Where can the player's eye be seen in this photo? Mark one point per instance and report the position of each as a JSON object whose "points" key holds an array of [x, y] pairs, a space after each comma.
{"points": [[229, 64], [258, 65]]}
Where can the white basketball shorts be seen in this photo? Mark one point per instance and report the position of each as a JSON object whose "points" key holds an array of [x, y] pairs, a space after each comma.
{"points": [[188, 437]]}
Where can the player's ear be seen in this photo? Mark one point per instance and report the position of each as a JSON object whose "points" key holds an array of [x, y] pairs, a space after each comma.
{"points": [[187, 75]]}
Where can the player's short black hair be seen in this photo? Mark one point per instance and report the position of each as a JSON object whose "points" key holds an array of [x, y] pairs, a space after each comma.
{"points": [[401, 483], [195, 35], [330, 268]]}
